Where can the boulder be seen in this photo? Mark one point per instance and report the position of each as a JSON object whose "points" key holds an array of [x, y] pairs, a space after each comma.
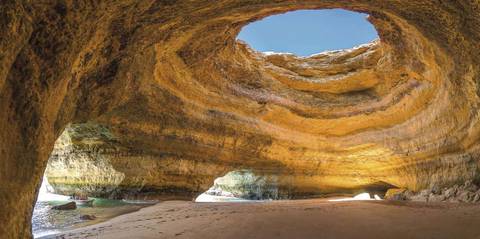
{"points": [[396, 194], [470, 186], [465, 196], [476, 197], [88, 217], [436, 189], [436, 198], [419, 198], [66, 206], [450, 192]]}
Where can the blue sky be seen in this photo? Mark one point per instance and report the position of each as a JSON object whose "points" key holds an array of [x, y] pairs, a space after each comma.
{"points": [[306, 32]]}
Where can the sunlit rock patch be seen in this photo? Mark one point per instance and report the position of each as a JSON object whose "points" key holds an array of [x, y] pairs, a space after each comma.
{"points": [[81, 162]]}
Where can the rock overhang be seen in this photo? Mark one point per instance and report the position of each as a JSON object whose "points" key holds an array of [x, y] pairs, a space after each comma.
{"points": [[331, 121], [170, 79]]}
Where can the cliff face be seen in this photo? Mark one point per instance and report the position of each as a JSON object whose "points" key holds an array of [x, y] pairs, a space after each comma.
{"points": [[89, 158], [175, 88], [79, 162]]}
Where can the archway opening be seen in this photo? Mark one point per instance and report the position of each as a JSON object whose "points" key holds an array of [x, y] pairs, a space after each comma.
{"points": [[79, 185], [307, 32], [247, 185], [240, 186]]}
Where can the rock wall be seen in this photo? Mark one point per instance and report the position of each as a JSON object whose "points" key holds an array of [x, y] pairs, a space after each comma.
{"points": [[170, 80], [89, 159], [100, 161], [469, 192]]}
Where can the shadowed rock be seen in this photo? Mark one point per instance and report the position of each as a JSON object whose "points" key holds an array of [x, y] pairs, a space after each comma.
{"points": [[66, 206]]}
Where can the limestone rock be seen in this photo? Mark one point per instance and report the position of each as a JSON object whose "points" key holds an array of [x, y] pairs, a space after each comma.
{"points": [[465, 196], [476, 197], [451, 192], [396, 194], [436, 198], [66, 206], [88, 217], [187, 103], [466, 193]]}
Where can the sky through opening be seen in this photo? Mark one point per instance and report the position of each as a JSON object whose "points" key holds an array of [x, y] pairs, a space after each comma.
{"points": [[306, 32]]}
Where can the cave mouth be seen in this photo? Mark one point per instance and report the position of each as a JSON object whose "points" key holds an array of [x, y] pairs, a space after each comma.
{"points": [[80, 170], [307, 32], [247, 185], [242, 185]]}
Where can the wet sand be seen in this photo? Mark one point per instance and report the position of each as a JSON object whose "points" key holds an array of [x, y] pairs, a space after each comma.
{"points": [[317, 218]]}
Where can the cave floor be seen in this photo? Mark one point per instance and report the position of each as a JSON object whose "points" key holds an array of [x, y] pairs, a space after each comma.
{"points": [[316, 218]]}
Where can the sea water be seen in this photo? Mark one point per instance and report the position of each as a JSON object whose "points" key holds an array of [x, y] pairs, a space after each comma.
{"points": [[46, 221]]}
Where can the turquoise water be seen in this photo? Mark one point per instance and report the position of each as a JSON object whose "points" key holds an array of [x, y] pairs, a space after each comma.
{"points": [[46, 221]]}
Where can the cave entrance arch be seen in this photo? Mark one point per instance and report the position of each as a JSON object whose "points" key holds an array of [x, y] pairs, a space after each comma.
{"points": [[242, 185], [80, 166], [250, 185]]}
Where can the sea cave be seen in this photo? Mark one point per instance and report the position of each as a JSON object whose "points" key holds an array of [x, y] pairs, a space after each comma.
{"points": [[240, 119]]}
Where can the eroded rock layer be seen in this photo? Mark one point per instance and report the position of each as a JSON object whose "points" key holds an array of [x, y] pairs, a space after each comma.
{"points": [[90, 159], [468, 192], [176, 88]]}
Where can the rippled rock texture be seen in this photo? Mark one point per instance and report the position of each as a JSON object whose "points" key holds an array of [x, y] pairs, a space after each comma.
{"points": [[91, 159], [469, 192], [173, 82]]}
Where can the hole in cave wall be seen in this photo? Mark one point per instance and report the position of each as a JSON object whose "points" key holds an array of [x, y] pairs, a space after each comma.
{"points": [[245, 185], [307, 32], [76, 167], [241, 185]]}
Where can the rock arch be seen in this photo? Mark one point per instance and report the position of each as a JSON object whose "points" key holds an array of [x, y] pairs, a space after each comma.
{"points": [[401, 111]]}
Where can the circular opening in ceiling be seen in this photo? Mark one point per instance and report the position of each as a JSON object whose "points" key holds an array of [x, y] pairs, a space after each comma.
{"points": [[307, 32]]}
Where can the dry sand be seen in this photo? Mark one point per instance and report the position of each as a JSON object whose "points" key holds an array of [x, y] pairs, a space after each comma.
{"points": [[317, 218]]}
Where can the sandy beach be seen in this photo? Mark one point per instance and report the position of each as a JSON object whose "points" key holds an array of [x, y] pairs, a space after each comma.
{"points": [[318, 218]]}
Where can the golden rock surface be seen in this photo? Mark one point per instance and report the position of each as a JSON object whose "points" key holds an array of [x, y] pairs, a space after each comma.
{"points": [[174, 85]]}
